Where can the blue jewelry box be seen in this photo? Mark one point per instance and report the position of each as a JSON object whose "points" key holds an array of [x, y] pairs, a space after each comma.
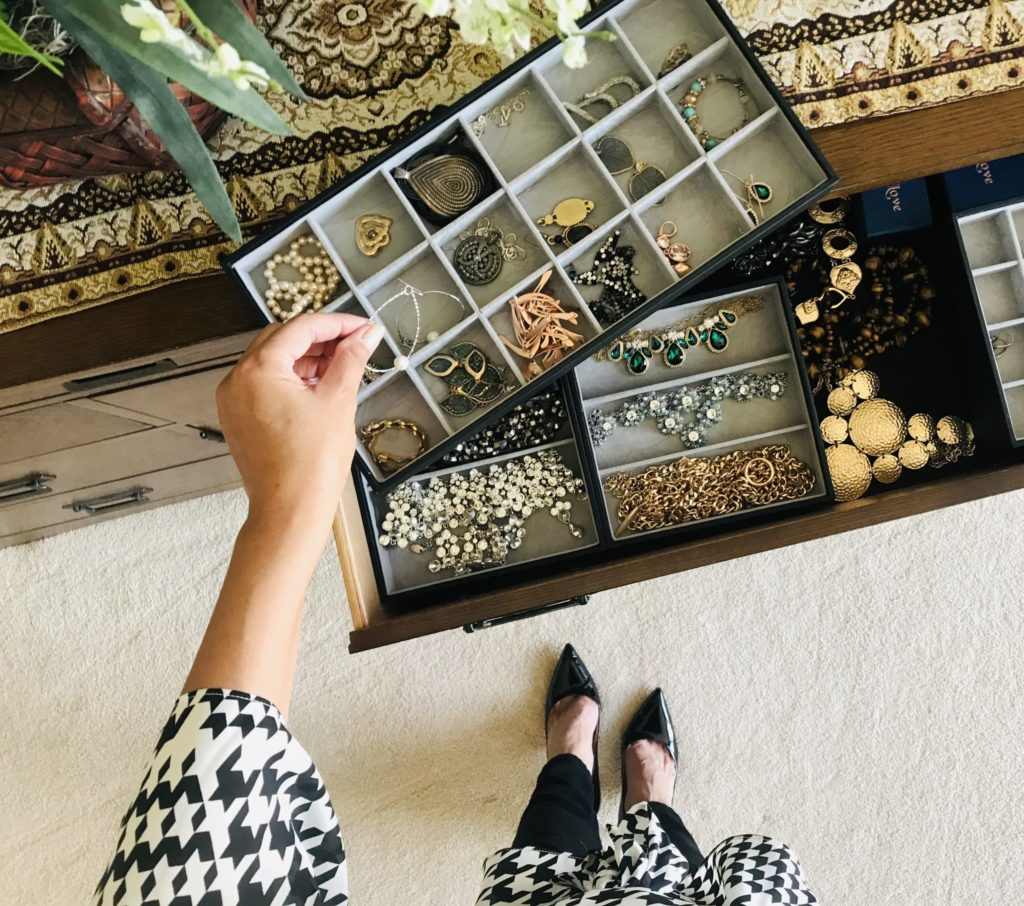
{"points": [[572, 175]]}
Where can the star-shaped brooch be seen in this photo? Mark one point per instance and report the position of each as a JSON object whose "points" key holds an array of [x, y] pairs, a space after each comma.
{"points": [[614, 271]]}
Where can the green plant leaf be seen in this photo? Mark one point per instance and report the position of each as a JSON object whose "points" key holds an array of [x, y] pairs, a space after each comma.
{"points": [[150, 93], [234, 26], [104, 21], [12, 43]]}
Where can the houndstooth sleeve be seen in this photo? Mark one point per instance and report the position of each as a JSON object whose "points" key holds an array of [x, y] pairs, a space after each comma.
{"points": [[232, 810]]}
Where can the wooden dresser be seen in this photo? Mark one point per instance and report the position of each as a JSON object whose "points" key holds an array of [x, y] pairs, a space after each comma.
{"points": [[111, 410]]}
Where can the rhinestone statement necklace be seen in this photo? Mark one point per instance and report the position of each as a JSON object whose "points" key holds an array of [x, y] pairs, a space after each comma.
{"points": [[688, 413], [473, 520]]}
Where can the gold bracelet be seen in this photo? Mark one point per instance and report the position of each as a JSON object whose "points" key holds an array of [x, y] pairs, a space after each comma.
{"points": [[390, 462], [697, 487]]}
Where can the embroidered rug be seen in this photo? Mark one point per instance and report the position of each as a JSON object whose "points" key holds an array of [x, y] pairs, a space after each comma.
{"points": [[376, 70]]}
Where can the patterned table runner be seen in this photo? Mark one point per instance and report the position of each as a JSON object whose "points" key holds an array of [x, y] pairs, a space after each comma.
{"points": [[375, 70]]}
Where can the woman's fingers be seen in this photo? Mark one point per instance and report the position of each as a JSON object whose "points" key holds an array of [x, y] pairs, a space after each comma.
{"points": [[298, 337]]}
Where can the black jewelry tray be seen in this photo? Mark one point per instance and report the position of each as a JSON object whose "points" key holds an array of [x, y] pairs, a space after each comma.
{"points": [[767, 342], [551, 157]]}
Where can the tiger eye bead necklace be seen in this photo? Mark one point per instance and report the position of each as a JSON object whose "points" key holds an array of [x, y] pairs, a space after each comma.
{"points": [[899, 305]]}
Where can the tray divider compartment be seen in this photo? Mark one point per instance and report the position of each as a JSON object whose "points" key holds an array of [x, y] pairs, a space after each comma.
{"points": [[708, 450], [699, 378], [332, 253], [423, 226], [655, 27], [650, 241], [556, 102], [800, 438], [404, 571]]}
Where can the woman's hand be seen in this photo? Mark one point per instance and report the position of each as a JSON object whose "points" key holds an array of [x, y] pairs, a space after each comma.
{"points": [[288, 413]]}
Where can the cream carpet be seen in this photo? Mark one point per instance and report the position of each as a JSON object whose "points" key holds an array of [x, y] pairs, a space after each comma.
{"points": [[859, 697]]}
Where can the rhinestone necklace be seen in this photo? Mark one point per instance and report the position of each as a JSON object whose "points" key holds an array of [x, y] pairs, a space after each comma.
{"points": [[688, 413]]}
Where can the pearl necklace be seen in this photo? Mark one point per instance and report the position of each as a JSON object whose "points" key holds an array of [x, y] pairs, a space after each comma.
{"points": [[472, 520]]}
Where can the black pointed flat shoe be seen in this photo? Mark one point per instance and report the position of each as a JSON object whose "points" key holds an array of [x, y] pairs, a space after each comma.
{"points": [[571, 677], [651, 721]]}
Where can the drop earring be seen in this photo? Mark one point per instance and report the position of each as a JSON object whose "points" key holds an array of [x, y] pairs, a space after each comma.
{"points": [[758, 194]]}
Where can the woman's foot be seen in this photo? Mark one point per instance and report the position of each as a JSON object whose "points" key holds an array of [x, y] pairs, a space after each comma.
{"points": [[571, 726], [649, 755], [649, 773]]}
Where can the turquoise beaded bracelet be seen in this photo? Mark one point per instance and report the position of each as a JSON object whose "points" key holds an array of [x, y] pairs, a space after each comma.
{"points": [[692, 98]]}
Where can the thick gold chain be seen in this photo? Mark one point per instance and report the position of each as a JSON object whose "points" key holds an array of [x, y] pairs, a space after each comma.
{"points": [[693, 488]]}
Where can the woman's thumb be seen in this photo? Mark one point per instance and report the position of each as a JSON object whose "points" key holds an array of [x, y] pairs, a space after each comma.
{"points": [[345, 371]]}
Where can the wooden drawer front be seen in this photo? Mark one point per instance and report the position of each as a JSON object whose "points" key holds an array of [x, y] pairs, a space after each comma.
{"points": [[374, 626], [104, 461], [188, 400], [34, 432], [75, 508]]}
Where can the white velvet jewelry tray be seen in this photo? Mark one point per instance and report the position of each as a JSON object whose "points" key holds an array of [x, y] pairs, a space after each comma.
{"points": [[760, 342], [992, 241], [543, 155]]}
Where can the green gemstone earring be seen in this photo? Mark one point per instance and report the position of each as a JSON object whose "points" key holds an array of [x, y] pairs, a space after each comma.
{"points": [[758, 193]]}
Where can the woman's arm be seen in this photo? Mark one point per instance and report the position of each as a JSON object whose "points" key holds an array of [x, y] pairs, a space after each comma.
{"points": [[287, 410]]}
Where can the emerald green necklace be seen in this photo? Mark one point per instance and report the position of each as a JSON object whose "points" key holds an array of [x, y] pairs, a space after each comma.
{"points": [[709, 328]]}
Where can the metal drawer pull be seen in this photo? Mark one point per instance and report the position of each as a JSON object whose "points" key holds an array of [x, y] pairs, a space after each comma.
{"points": [[30, 486], [211, 434], [110, 502], [161, 366], [576, 601]]}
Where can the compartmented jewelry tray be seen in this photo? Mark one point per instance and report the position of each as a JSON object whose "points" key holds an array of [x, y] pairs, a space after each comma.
{"points": [[548, 211], [700, 418], [992, 242]]}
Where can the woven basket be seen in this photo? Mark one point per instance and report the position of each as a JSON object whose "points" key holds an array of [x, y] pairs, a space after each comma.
{"points": [[52, 130]]}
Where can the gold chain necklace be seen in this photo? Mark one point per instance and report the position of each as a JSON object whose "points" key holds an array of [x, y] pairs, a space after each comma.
{"points": [[695, 488]]}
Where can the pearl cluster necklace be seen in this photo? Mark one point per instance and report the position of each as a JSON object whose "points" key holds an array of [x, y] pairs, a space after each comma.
{"points": [[472, 520], [317, 286]]}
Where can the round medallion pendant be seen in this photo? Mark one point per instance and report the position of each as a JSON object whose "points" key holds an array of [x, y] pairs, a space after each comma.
{"points": [[478, 260]]}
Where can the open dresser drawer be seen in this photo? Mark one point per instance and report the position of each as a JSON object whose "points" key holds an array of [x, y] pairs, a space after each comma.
{"points": [[945, 369]]}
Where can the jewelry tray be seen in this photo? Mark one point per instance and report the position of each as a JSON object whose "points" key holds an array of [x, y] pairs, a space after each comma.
{"points": [[992, 244], [760, 342], [543, 156]]}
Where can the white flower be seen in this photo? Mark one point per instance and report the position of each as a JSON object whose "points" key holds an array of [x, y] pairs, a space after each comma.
{"points": [[155, 28], [436, 7], [574, 51], [227, 63], [566, 13]]}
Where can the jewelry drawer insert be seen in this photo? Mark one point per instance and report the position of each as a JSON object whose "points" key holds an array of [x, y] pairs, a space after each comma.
{"points": [[546, 212], [992, 241], [700, 417]]}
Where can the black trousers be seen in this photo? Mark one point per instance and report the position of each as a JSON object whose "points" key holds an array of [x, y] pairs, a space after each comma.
{"points": [[561, 817]]}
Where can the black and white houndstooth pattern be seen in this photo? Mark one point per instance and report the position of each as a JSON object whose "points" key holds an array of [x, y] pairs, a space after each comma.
{"points": [[642, 868], [231, 811]]}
